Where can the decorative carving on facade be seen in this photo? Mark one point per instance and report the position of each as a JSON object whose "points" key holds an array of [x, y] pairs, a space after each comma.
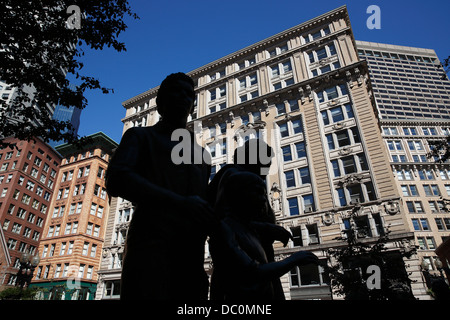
{"points": [[328, 218], [275, 197], [392, 207], [338, 125], [345, 151], [351, 179]]}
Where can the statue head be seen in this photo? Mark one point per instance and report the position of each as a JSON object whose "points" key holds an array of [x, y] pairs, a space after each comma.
{"points": [[255, 156], [246, 196], [175, 97]]}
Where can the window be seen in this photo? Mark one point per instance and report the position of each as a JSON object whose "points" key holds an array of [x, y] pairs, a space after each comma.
{"points": [[394, 145], [304, 175], [414, 206], [293, 206], [297, 126], [85, 249], [431, 190], [332, 93], [409, 190], [324, 52], [112, 289], [348, 164], [290, 178], [296, 236], [343, 138], [300, 149], [287, 155], [308, 275], [341, 197], [425, 175], [63, 248], [93, 250], [291, 127], [415, 145], [308, 202], [442, 223]]}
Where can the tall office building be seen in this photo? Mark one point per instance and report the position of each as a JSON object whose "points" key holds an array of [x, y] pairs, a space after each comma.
{"points": [[27, 181], [70, 114], [408, 82], [306, 92], [72, 238], [413, 96]]}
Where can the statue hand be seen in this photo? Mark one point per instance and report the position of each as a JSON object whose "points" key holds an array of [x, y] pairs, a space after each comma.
{"points": [[281, 234], [302, 258], [273, 232], [199, 211]]}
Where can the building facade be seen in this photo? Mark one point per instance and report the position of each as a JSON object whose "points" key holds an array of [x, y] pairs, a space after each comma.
{"points": [[27, 180], [412, 94], [5, 260], [73, 235], [70, 114], [408, 82], [308, 95]]}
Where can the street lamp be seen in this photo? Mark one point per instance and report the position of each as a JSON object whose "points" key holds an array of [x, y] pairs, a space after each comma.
{"points": [[439, 266], [425, 271], [27, 265]]}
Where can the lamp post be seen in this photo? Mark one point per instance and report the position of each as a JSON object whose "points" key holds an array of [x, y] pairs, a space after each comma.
{"points": [[439, 265], [425, 270], [27, 265]]}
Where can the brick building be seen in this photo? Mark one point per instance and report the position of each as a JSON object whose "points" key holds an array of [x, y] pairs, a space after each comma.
{"points": [[27, 181]]}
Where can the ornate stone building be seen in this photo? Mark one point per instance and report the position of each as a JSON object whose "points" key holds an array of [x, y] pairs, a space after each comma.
{"points": [[306, 92]]}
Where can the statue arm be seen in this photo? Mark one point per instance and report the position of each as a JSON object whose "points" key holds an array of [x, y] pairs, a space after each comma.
{"points": [[260, 271], [271, 232], [124, 180]]}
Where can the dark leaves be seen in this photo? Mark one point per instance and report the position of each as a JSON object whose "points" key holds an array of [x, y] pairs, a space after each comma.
{"points": [[38, 50]]}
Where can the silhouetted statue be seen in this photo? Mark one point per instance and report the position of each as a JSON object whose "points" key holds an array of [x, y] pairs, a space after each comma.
{"points": [[164, 250], [255, 157], [241, 269], [441, 290]]}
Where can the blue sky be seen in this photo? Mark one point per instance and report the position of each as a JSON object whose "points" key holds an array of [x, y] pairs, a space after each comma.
{"points": [[183, 35]]}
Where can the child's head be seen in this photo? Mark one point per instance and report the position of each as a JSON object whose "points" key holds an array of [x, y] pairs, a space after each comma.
{"points": [[246, 195]]}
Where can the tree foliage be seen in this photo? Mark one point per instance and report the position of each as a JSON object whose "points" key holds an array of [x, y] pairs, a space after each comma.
{"points": [[348, 265], [39, 47], [16, 293]]}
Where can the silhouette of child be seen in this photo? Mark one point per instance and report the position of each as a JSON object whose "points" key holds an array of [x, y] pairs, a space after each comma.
{"points": [[241, 269]]}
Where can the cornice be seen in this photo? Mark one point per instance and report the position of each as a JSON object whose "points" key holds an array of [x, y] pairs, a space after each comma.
{"points": [[414, 122], [301, 28], [273, 39]]}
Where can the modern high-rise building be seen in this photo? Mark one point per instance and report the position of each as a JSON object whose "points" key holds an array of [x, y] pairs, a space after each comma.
{"points": [[412, 94], [72, 239], [408, 82], [308, 95], [70, 114], [27, 180]]}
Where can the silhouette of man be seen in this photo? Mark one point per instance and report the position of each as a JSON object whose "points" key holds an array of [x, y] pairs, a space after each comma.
{"points": [[164, 250]]}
